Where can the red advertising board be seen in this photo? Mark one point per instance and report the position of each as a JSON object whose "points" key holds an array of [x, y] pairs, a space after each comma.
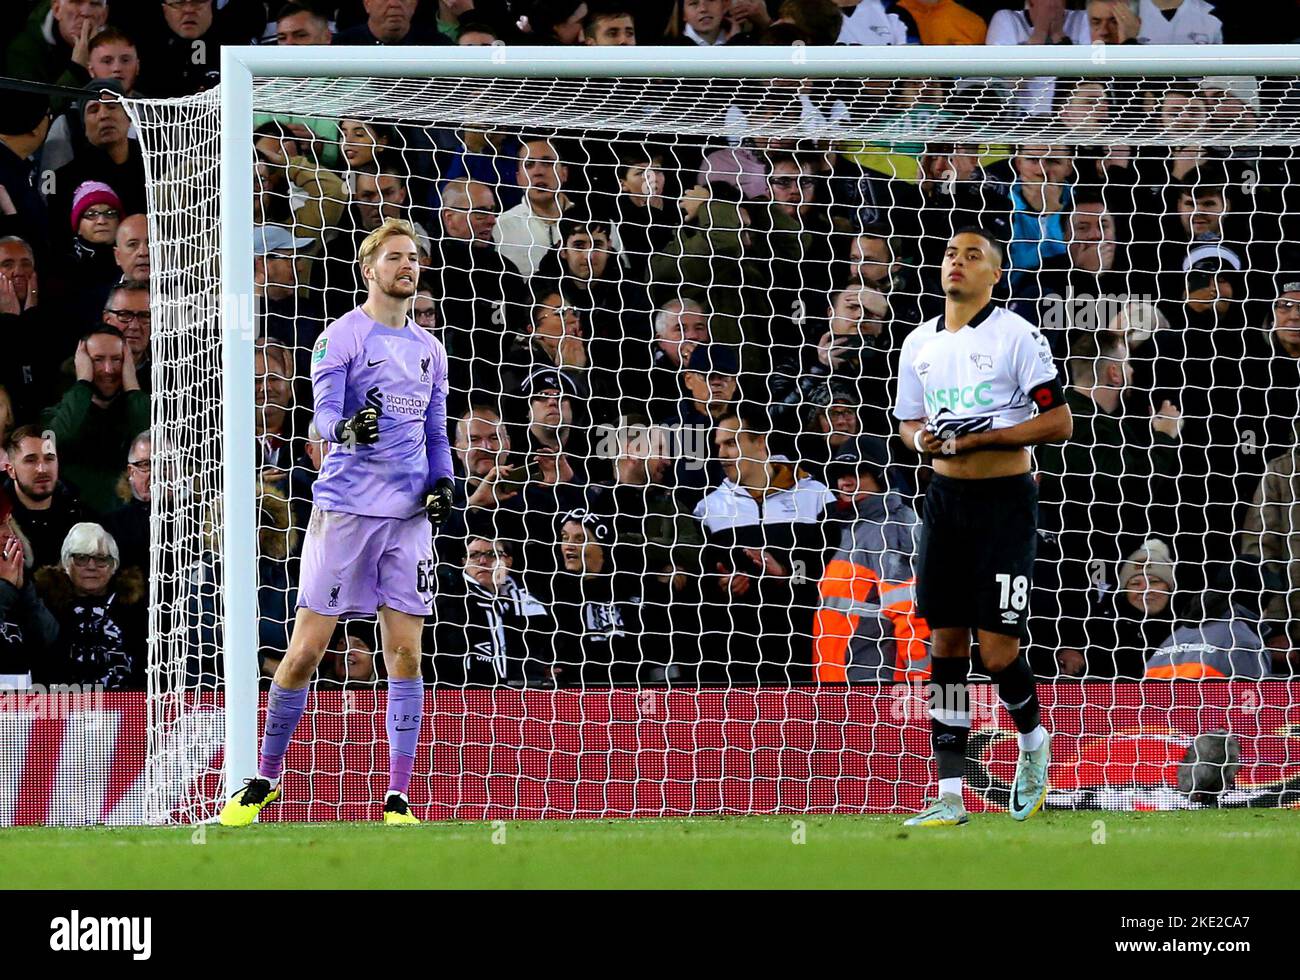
{"points": [[504, 754]]}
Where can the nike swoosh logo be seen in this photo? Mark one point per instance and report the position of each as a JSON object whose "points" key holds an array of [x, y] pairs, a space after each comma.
{"points": [[410, 729], [1015, 799], [375, 363]]}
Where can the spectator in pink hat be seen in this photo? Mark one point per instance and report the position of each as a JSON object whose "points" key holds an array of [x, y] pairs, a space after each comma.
{"points": [[89, 267], [96, 212]]}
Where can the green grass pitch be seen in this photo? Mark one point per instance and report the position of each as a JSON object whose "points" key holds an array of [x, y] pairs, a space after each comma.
{"points": [[1202, 849]]}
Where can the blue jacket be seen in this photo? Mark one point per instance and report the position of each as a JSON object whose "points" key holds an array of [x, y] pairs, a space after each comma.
{"points": [[1036, 237]]}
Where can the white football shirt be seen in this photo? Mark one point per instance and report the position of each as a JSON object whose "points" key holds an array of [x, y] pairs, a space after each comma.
{"points": [[1192, 23], [985, 370]]}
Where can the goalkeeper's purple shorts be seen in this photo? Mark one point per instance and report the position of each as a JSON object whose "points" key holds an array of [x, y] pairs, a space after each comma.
{"points": [[352, 564]]}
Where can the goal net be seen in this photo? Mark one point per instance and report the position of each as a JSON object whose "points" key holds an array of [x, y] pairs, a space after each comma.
{"points": [[678, 578]]}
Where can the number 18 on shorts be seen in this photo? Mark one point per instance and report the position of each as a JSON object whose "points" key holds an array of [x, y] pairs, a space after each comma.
{"points": [[976, 558]]}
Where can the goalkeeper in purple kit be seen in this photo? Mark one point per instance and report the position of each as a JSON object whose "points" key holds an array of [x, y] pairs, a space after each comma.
{"points": [[379, 384]]}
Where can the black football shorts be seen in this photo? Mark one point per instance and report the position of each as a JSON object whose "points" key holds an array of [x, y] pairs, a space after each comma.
{"points": [[976, 559]]}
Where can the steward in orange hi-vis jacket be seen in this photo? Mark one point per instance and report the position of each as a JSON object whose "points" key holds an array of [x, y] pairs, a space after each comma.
{"points": [[866, 627]]}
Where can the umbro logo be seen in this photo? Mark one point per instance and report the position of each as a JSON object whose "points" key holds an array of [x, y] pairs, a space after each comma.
{"points": [[1010, 616], [922, 368], [370, 363]]}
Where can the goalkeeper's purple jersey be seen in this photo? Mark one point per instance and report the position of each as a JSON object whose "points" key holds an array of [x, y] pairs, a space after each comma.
{"points": [[403, 373]]}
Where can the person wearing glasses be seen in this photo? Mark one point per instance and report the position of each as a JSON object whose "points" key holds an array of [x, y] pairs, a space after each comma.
{"points": [[101, 608], [796, 239], [791, 188], [170, 65], [129, 524], [128, 310], [86, 271], [490, 629], [96, 212], [1282, 389], [424, 310]]}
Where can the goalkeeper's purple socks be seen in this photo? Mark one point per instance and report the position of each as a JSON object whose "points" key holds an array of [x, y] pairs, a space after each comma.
{"points": [[284, 710], [405, 710]]}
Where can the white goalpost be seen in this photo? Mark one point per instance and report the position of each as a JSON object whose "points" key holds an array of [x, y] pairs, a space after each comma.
{"points": [[676, 738]]}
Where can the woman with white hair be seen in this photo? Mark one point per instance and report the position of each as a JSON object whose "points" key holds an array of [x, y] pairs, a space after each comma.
{"points": [[101, 610]]}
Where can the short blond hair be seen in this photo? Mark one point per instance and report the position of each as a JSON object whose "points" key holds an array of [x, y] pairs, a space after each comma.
{"points": [[391, 228]]}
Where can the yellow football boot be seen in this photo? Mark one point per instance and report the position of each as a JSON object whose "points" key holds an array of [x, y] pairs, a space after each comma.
{"points": [[398, 811], [242, 808]]}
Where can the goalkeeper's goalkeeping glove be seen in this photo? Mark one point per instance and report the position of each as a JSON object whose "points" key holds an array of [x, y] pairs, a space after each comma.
{"points": [[364, 427], [437, 505]]}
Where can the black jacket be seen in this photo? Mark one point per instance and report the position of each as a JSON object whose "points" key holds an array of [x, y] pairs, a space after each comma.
{"points": [[472, 283], [21, 178], [46, 529], [29, 369], [762, 635], [174, 66], [129, 526], [1119, 637], [599, 638], [87, 274], [295, 321], [1215, 370], [481, 638], [27, 630]]}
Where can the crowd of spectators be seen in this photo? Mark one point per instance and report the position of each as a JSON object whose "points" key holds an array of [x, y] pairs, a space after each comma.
{"points": [[673, 357]]}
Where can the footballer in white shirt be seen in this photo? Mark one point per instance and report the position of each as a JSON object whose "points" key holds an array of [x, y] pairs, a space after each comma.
{"points": [[977, 387]]}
